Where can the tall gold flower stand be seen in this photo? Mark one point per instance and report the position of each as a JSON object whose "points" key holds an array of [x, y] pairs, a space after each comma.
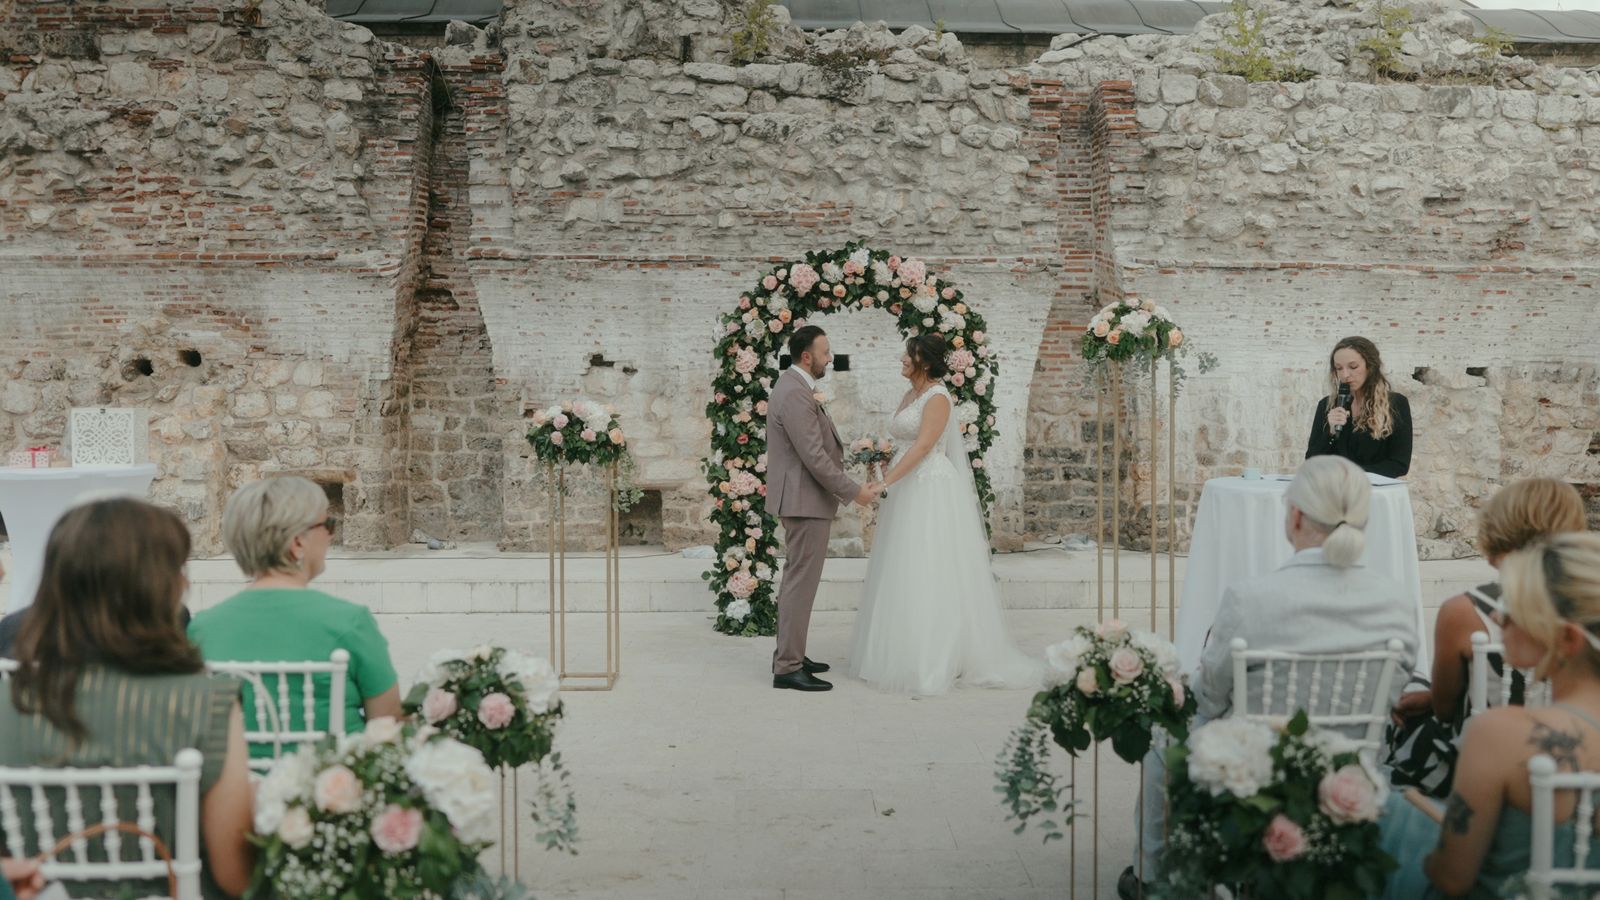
{"points": [[510, 808], [1112, 395], [606, 678]]}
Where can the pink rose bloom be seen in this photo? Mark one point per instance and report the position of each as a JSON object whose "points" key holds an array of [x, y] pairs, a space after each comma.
{"points": [[733, 327], [1348, 796], [1126, 666], [838, 290], [1110, 628], [860, 444], [742, 584], [949, 293], [803, 278], [397, 829], [1114, 337], [958, 379], [824, 303], [977, 337], [761, 407], [616, 436], [895, 309], [977, 463], [894, 263], [496, 711], [746, 361], [913, 272], [744, 438], [721, 397], [960, 360], [982, 389], [587, 434], [1175, 338], [438, 705], [557, 439], [1283, 839], [770, 282], [560, 421], [1177, 691], [762, 490], [1102, 328], [338, 791], [744, 302], [885, 445], [1088, 684], [774, 325]]}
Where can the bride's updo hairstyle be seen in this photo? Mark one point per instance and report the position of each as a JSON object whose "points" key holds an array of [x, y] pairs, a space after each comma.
{"points": [[1552, 582], [1334, 494], [927, 352]]}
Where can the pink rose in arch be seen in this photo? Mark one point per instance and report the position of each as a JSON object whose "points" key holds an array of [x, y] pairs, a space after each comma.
{"points": [[761, 407], [977, 337], [744, 302], [949, 293], [894, 263], [977, 463], [838, 290], [1283, 839], [803, 278], [774, 325], [733, 327], [397, 829], [982, 389], [958, 379], [770, 282], [496, 711]]}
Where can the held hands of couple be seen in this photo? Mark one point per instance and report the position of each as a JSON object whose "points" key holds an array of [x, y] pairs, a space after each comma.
{"points": [[869, 493]]}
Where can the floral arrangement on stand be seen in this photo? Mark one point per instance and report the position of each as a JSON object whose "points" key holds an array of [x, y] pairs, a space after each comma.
{"points": [[505, 705], [749, 341], [1129, 330], [584, 432], [1104, 682], [1290, 813], [394, 811]]}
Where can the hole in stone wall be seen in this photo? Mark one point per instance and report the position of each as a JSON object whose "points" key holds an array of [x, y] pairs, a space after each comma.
{"points": [[136, 367], [190, 358], [642, 523], [841, 362], [599, 361], [3, 527], [1420, 374], [1477, 371], [334, 491], [783, 361], [685, 49]]}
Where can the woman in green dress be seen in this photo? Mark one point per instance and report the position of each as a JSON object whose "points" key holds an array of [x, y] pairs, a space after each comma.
{"points": [[107, 677]]}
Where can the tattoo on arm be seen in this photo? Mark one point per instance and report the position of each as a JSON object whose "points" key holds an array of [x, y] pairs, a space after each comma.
{"points": [[1457, 815], [1562, 746]]}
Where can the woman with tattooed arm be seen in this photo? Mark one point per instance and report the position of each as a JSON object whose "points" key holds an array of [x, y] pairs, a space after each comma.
{"points": [[1552, 624]]}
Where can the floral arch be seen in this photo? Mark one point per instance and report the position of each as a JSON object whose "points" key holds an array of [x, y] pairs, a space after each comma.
{"points": [[752, 336]]}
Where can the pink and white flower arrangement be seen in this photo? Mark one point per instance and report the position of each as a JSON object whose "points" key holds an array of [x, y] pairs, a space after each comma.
{"points": [[583, 432], [1289, 812], [1129, 330], [501, 702], [399, 810]]}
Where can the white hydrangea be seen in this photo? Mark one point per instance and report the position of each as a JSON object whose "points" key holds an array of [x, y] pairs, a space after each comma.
{"points": [[969, 441], [755, 328], [861, 257], [1135, 323], [1233, 755], [777, 303], [925, 301], [289, 780], [831, 272], [738, 609], [431, 671], [950, 320], [454, 778], [537, 677], [881, 273], [1067, 656], [1331, 743], [593, 414], [966, 412], [1160, 650]]}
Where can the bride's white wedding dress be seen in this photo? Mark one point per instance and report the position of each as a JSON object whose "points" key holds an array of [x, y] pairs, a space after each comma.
{"points": [[930, 611]]}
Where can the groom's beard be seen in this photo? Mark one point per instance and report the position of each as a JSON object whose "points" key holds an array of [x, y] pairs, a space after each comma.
{"points": [[819, 373]]}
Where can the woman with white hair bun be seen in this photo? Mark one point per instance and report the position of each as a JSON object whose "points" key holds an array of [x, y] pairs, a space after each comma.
{"points": [[1322, 601]]}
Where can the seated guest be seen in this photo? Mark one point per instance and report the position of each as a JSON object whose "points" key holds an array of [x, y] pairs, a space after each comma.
{"points": [[278, 531], [1322, 601], [12, 624], [1552, 625], [1425, 753], [109, 679], [1361, 418]]}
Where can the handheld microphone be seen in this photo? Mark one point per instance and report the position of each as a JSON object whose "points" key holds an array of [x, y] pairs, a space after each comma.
{"points": [[1344, 403]]}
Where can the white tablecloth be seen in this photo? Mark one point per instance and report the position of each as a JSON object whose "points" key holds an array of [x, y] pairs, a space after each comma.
{"points": [[1238, 534], [32, 500]]}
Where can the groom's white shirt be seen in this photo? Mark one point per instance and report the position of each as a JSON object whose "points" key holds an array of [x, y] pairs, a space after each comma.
{"points": [[811, 383]]}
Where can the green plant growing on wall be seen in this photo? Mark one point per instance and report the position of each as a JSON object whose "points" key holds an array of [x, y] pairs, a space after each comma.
{"points": [[1493, 42], [1382, 50], [754, 35], [1244, 49]]}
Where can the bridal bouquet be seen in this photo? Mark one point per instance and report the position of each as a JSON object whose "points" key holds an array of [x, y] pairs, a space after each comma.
{"points": [[394, 811], [585, 432], [871, 451], [1105, 682], [505, 705], [1290, 813]]}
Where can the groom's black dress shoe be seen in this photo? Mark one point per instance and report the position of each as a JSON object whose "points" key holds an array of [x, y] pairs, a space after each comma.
{"points": [[1129, 887], [800, 680], [815, 668]]}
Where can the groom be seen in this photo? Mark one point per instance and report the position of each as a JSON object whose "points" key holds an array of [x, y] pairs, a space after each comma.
{"points": [[805, 485]]}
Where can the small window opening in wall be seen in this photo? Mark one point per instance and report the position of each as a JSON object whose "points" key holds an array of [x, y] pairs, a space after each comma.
{"points": [[1478, 371], [685, 49], [841, 362], [641, 524], [190, 358], [783, 361], [1420, 374], [334, 491], [599, 361]]}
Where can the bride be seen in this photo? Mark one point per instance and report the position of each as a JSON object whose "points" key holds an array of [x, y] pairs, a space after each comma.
{"points": [[930, 612]]}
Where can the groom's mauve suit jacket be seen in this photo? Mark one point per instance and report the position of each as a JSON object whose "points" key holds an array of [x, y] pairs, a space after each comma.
{"points": [[805, 458]]}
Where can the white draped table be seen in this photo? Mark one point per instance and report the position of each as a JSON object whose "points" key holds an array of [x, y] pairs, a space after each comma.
{"points": [[32, 500], [1238, 534]]}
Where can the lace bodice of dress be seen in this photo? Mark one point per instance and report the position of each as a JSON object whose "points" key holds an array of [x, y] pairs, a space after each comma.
{"points": [[908, 422]]}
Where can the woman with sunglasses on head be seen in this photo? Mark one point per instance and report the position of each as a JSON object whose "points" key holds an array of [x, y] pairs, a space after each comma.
{"points": [[279, 531], [1362, 419], [1551, 624]]}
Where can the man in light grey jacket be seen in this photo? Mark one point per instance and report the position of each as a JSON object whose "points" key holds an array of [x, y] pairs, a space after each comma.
{"points": [[806, 483]]}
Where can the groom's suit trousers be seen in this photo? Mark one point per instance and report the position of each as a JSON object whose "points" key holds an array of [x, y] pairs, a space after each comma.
{"points": [[806, 545]]}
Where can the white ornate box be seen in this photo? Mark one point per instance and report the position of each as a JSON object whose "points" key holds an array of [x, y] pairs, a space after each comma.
{"points": [[108, 436]]}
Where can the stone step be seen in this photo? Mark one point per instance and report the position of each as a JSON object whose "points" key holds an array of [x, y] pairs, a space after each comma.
{"points": [[481, 579]]}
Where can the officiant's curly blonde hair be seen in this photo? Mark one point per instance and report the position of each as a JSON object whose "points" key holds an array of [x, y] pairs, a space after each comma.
{"points": [[1377, 411]]}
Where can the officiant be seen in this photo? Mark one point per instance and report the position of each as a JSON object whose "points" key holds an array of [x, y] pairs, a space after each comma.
{"points": [[1362, 418]]}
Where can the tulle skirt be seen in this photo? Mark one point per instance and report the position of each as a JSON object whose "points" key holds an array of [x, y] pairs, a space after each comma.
{"points": [[930, 610]]}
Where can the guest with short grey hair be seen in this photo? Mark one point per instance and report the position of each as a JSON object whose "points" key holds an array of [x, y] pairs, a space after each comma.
{"points": [[279, 532]]}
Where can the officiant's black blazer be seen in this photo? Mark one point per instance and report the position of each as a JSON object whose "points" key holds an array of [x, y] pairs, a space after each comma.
{"points": [[1390, 456]]}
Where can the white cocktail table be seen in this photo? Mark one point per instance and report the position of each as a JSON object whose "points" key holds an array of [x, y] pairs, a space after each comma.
{"points": [[32, 500]]}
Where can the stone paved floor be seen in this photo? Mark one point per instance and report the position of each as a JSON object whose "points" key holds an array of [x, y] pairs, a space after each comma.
{"points": [[696, 779]]}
